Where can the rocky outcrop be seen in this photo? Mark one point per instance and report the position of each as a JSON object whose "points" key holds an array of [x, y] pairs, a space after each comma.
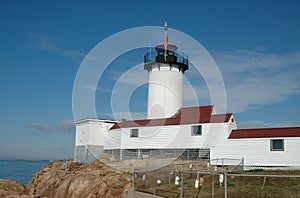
{"points": [[11, 189], [60, 179]]}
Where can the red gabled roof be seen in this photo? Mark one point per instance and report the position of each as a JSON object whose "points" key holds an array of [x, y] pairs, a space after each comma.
{"points": [[187, 115], [265, 133]]}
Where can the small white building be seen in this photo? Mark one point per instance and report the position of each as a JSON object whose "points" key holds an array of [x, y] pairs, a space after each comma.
{"points": [[265, 147], [90, 137], [172, 130]]}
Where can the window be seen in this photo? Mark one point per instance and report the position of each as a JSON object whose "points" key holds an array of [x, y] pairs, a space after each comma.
{"points": [[134, 133], [196, 130], [277, 145]]}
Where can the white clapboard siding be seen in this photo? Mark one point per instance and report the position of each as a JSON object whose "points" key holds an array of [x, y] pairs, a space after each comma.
{"points": [[91, 132], [178, 136], [112, 139], [82, 134], [256, 151]]}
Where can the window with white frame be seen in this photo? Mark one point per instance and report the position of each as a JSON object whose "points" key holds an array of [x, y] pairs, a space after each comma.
{"points": [[196, 130], [134, 133], [277, 145]]}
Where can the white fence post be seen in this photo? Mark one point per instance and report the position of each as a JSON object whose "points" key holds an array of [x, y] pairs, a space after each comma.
{"points": [[225, 185], [181, 189], [133, 178]]}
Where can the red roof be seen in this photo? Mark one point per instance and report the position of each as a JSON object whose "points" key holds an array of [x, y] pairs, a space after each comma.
{"points": [[187, 115], [265, 133], [168, 43]]}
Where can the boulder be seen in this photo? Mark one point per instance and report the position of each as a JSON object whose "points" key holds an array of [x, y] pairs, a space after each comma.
{"points": [[61, 179], [12, 189], [79, 180]]}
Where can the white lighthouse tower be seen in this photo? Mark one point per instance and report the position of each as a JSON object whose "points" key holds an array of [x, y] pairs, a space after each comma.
{"points": [[166, 67]]}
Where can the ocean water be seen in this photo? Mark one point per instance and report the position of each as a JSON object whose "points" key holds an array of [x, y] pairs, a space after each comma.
{"points": [[20, 170]]}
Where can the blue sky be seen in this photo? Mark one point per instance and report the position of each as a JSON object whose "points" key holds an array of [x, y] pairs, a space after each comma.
{"points": [[254, 43]]}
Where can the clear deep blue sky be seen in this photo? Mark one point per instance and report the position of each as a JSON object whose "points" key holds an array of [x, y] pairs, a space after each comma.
{"points": [[254, 43]]}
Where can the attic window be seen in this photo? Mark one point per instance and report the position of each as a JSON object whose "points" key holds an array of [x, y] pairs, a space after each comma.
{"points": [[134, 133], [277, 145], [196, 130]]}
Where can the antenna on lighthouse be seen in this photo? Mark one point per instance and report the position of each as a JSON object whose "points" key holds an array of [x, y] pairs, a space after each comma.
{"points": [[166, 39]]}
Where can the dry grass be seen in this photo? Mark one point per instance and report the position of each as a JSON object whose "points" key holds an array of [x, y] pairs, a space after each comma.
{"points": [[237, 186]]}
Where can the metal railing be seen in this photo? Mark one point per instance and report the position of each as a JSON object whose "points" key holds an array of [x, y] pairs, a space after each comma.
{"points": [[153, 56], [183, 154]]}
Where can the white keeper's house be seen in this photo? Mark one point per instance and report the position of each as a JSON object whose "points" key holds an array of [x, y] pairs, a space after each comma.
{"points": [[172, 130]]}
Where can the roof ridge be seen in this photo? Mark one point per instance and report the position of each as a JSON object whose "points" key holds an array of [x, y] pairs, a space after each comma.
{"points": [[261, 128]]}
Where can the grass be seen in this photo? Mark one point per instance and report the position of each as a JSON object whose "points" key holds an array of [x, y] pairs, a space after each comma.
{"points": [[237, 186]]}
